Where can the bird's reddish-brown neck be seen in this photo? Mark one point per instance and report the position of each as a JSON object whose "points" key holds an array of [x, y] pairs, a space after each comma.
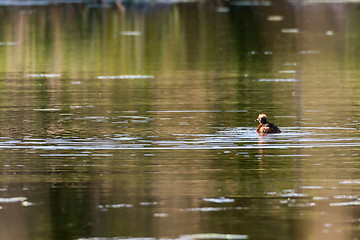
{"points": [[258, 127]]}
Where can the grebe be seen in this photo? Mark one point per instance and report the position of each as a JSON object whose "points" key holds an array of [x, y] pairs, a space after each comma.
{"points": [[265, 126]]}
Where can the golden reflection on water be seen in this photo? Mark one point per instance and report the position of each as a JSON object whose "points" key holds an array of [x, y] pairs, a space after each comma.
{"points": [[325, 99]]}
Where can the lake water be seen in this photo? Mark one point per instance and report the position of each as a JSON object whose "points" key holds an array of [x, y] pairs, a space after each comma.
{"points": [[140, 125]]}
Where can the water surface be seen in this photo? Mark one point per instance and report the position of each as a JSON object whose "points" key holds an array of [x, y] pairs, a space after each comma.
{"points": [[140, 125]]}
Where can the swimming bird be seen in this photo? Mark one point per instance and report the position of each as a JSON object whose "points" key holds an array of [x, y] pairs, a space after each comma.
{"points": [[265, 126]]}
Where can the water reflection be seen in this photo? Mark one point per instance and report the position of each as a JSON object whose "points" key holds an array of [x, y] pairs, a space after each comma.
{"points": [[116, 126]]}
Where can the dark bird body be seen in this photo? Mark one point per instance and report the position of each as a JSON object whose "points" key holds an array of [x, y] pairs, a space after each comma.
{"points": [[265, 126]]}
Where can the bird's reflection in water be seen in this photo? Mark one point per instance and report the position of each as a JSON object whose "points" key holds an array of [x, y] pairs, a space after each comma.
{"points": [[262, 140]]}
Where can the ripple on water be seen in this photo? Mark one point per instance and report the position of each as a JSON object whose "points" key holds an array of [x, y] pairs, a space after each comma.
{"points": [[226, 138], [44, 75], [251, 3], [8, 43], [131, 33], [12, 199], [275, 18], [121, 205], [350, 182], [214, 236], [127, 77], [312, 187], [47, 109], [209, 209], [219, 200], [181, 237], [149, 203], [344, 204], [290, 30], [278, 80]]}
